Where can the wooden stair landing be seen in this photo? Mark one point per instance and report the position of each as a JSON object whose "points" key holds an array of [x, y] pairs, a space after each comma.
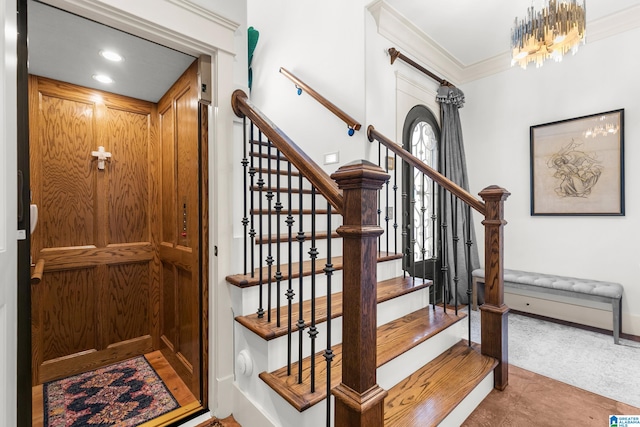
{"points": [[394, 338], [386, 290], [245, 280], [428, 395]]}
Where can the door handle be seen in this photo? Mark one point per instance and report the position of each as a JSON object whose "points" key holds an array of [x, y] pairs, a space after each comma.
{"points": [[20, 199]]}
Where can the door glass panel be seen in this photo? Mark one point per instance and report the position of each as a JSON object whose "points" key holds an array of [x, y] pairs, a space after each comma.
{"points": [[424, 145]]}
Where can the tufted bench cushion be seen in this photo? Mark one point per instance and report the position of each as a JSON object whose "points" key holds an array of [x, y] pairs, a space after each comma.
{"points": [[585, 289]]}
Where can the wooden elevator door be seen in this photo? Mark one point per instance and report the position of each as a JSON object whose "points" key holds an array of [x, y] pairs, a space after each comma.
{"points": [[181, 249], [98, 230]]}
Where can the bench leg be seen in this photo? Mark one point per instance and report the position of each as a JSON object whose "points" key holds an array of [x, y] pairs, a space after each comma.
{"points": [[617, 319]]}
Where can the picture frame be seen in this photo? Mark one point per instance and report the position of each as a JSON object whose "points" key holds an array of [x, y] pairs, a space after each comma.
{"points": [[577, 165]]}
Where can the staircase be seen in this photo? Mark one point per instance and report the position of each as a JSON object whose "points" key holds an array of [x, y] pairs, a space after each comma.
{"points": [[306, 327]]}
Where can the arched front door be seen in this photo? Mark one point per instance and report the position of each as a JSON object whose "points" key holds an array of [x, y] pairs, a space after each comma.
{"points": [[420, 136]]}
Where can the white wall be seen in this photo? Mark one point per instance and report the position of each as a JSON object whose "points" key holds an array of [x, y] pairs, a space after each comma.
{"points": [[499, 110], [322, 44]]}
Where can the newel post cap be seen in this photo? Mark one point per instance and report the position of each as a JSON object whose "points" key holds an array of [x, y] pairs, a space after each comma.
{"points": [[494, 193], [360, 174]]}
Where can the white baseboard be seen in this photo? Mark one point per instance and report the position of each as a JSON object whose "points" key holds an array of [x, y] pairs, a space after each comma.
{"points": [[469, 404], [246, 413]]}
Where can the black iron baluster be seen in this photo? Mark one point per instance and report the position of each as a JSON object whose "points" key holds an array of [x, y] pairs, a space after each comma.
{"points": [[252, 230], [301, 239], [395, 203], [260, 188], [290, 294], [405, 231], [456, 238], [434, 254], [269, 231], [245, 164], [445, 265], [422, 226], [313, 253], [386, 209], [469, 244], [278, 207], [379, 197], [328, 353], [412, 250]]}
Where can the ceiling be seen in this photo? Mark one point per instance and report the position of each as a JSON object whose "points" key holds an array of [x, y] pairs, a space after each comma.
{"points": [[472, 31], [65, 47]]}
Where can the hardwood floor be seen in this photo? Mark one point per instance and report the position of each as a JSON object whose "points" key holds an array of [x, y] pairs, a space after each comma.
{"points": [[187, 401], [534, 400], [529, 400]]}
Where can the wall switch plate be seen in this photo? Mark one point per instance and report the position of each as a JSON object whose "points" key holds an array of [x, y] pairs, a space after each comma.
{"points": [[331, 158], [391, 163]]}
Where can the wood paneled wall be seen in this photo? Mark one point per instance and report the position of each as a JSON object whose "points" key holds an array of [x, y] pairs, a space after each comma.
{"points": [[98, 230]]}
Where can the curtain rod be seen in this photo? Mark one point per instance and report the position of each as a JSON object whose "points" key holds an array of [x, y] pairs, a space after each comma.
{"points": [[395, 54]]}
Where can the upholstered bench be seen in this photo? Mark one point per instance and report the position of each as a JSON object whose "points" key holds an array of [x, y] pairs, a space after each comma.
{"points": [[577, 289]]}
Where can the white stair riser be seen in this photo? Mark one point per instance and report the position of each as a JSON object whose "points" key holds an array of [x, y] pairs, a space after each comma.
{"points": [[408, 362], [469, 403], [246, 300], [277, 349]]}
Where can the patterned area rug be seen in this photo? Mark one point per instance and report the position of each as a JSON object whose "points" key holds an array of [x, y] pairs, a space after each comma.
{"points": [[124, 394]]}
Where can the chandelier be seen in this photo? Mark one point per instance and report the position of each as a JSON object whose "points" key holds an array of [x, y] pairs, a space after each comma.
{"points": [[558, 28]]}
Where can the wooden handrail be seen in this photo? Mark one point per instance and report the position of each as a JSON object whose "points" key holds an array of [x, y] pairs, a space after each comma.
{"points": [[242, 107], [38, 271], [445, 182], [350, 121], [493, 311]]}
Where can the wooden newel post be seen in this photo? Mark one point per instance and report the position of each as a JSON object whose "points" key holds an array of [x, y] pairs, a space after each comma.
{"points": [[359, 399], [494, 316]]}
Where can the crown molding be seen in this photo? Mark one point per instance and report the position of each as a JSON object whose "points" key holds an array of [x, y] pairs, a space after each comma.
{"points": [[616, 23], [206, 14], [413, 41], [410, 39]]}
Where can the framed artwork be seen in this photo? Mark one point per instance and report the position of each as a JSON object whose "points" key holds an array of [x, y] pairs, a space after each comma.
{"points": [[577, 166]]}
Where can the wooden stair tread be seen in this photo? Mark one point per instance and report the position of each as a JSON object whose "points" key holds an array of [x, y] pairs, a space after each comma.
{"points": [[268, 156], [394, 338], [282, 171], [428, 395], [283, 212], [245, 280], [283, 190], [284, 238], [386, 290]]}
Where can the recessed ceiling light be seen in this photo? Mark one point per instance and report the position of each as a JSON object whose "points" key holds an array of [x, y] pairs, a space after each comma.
{"points": [[102, 78], [111, 55]]}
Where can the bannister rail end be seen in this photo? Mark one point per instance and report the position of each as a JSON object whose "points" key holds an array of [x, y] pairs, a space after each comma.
{"points": [[237, 94], [393, 53], [370, 129], [301, 86]]}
